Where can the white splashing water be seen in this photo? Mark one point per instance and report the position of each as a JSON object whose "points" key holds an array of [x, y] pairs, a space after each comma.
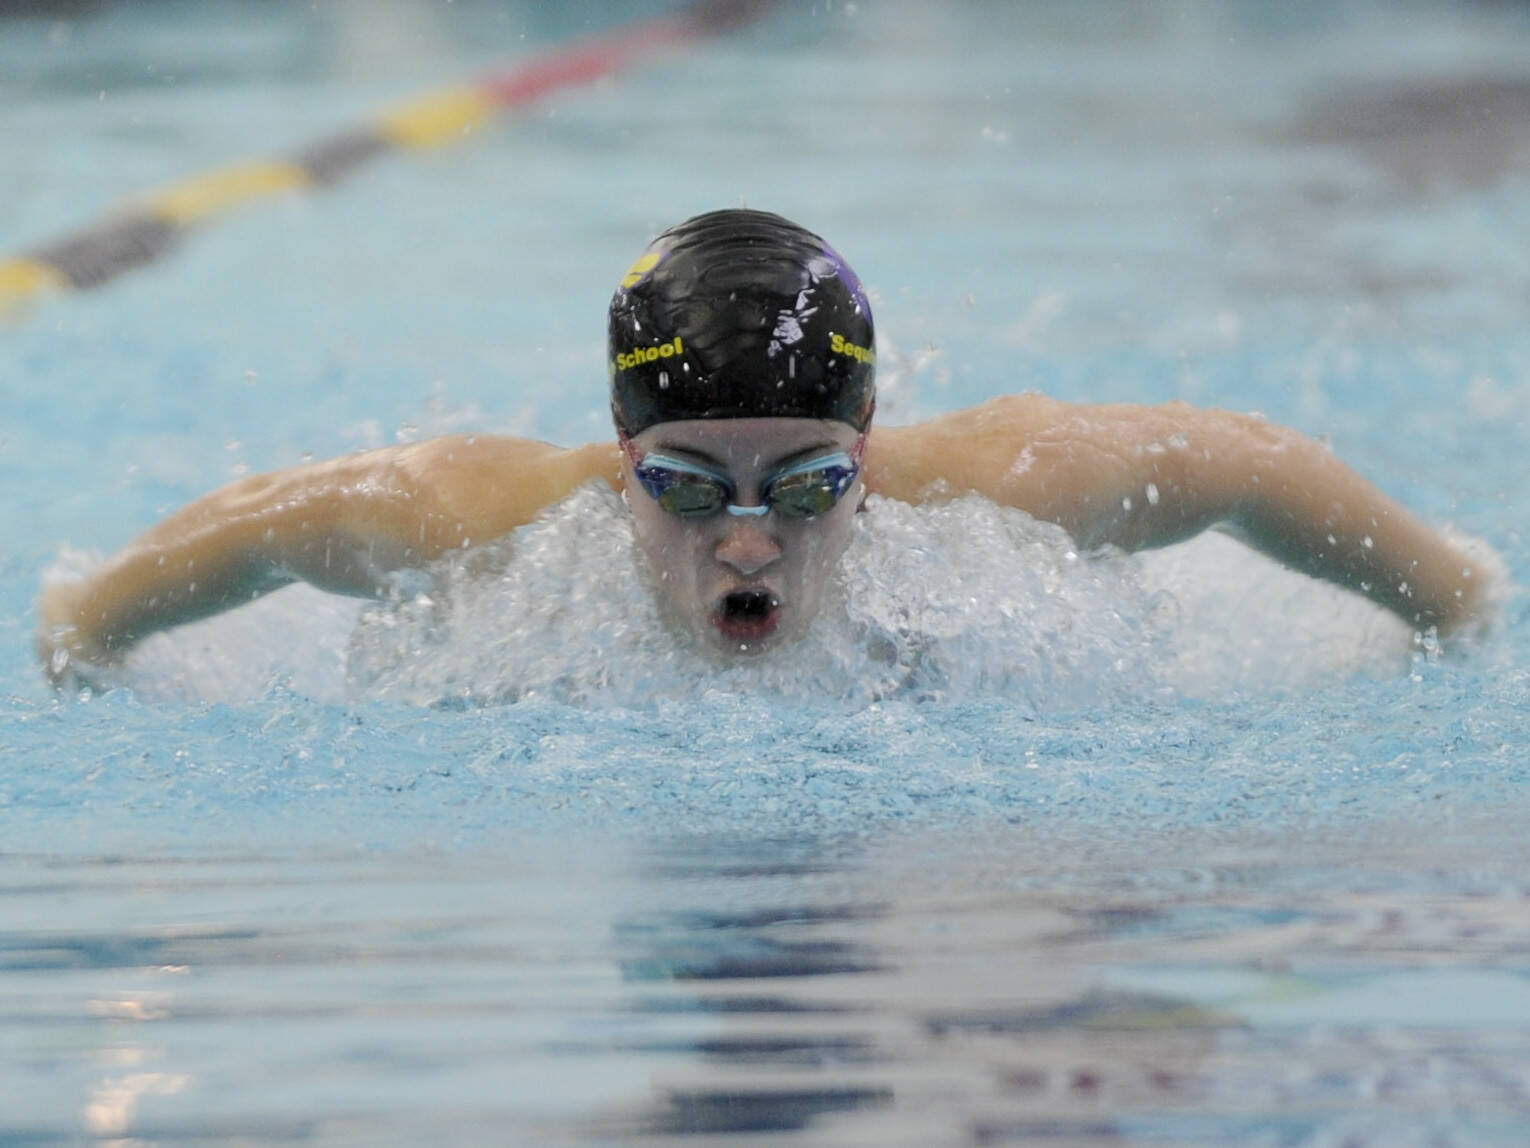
{"points": [[960, 599]]}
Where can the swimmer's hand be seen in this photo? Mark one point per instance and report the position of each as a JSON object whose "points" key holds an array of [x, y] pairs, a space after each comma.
{"points": [[1481, 603], [69, 654]]}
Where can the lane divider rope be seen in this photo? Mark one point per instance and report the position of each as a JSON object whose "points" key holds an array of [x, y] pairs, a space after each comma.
{"points": [[146, 229]]}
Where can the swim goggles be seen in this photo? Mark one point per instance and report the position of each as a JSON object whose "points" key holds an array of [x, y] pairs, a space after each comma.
{"points": [[802, 490]]}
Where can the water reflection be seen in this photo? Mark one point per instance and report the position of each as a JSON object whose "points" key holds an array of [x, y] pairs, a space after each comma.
{"points": [[719, 1112], [911, 1017], [945, 997], [778, 1061], [114, 1102], [930, 991], [704, 947]]}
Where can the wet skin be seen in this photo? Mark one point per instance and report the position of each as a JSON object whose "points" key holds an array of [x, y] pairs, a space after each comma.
{"points": [[742, 585]]}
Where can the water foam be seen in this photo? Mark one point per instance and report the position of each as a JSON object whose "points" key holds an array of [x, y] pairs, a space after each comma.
{"points": [[952, 601], [949, 600]]}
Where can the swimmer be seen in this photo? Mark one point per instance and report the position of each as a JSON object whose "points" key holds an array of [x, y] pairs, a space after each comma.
{"points": [[741, 360]]}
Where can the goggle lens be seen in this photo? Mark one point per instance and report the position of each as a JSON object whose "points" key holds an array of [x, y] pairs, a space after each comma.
{"points": [[688, 491], [809, 493], [690, 496]]}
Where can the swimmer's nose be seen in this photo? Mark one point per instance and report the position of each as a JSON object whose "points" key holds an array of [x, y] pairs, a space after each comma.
{"points": [[747, 548]]}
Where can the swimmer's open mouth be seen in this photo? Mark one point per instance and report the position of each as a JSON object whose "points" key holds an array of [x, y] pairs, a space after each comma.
{"points": [[746, 615]]}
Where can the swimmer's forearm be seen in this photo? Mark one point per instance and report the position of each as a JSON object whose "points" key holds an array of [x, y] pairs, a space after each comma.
{"points": [[343, 526], [1140, 477], [135, 596], [223, 550], [1180, 471], [1314, 514], [1292, 499], [140, 591]]}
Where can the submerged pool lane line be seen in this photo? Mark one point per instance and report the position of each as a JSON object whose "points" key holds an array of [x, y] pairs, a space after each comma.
{"points": [[145, 230]]}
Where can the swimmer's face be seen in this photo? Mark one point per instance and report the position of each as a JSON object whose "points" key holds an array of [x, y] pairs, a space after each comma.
{"points": [[743, 584]]}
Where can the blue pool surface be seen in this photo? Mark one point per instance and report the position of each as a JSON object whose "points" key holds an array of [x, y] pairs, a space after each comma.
{"points": [[1168, 849]]}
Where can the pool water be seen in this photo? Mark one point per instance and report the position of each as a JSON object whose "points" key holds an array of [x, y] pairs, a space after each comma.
{"points": [[1022, 846]]}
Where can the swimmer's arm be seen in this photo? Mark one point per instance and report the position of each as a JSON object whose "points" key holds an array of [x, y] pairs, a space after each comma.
{"points": [[343, 526], [1140, 477]]}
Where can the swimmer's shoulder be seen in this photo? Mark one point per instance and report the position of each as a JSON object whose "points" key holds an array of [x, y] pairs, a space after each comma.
{"points": [[1041, 454], [953, 453], [495, 483]]}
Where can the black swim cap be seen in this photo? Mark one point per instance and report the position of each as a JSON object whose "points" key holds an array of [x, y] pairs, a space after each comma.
{"points": [[740, 314]]}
